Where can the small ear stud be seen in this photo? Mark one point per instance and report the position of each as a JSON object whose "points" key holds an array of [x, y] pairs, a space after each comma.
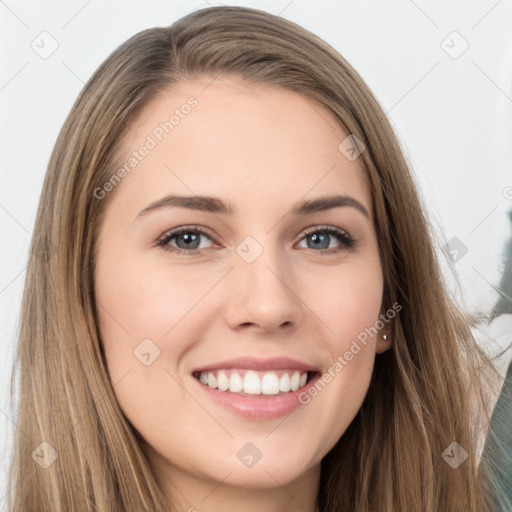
{"points": [[385, 336]]}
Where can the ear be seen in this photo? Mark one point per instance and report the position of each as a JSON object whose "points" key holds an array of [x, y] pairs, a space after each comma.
{"points": [[383, 342]]}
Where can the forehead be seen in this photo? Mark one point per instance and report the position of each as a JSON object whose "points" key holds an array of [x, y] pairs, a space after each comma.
{"points": [[227, 137]]}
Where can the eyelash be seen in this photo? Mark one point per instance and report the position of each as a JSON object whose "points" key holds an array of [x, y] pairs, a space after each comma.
{"points": [[346, 240]]}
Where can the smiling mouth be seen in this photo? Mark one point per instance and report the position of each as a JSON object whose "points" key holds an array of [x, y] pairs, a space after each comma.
{"points": [[253, 383]]}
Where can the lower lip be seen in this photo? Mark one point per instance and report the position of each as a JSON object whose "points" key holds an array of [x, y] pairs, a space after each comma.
{"points": [[261, 406]]}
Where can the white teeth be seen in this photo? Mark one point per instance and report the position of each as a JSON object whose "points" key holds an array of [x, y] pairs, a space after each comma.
{"points": [[236, 384], [212, 380], [254, 383], [294, 381], [270, 384], [222, 381], [284, 383]]}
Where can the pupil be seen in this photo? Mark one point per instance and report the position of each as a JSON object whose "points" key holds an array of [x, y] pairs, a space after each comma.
{"points": [[189, 238], [316, 240]]}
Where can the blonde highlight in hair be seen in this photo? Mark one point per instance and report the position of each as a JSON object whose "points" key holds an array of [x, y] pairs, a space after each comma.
{"points": [[389, 459]]}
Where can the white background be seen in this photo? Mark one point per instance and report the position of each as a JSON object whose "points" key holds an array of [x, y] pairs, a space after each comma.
{"points": [[452, 115]]}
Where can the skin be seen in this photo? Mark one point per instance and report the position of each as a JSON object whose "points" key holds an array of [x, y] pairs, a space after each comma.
{"points": [[263, 149]]}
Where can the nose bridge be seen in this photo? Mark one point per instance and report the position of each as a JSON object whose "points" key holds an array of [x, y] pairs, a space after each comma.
{"points": [[263, 285]]}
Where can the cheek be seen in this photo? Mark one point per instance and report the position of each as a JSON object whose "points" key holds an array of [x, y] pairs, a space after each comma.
{"points": [[349, 307], [143, 314], [137, 301], [349, 304]]}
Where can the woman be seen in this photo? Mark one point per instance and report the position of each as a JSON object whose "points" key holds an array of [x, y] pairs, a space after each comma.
{"points": [[254, 372]]}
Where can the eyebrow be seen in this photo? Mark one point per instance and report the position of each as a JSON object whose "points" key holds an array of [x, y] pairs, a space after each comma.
{"points": [[216, 205]]}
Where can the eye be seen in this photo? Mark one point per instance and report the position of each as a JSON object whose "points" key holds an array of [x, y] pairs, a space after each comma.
{"points": [[320, 237], [187, 239]]}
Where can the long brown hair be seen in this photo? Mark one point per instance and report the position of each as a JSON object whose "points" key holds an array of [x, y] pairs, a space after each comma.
{"points": [[424, 391]]}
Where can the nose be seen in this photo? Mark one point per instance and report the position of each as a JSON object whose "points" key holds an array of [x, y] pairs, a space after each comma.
{"points": [[262, 295]]}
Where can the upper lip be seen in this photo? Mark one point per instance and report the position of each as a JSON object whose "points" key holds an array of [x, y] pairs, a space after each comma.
{"points": [[252, 363]]}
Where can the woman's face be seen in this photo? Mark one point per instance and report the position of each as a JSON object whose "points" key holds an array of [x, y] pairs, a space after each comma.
{"points": [[255, 295]]}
